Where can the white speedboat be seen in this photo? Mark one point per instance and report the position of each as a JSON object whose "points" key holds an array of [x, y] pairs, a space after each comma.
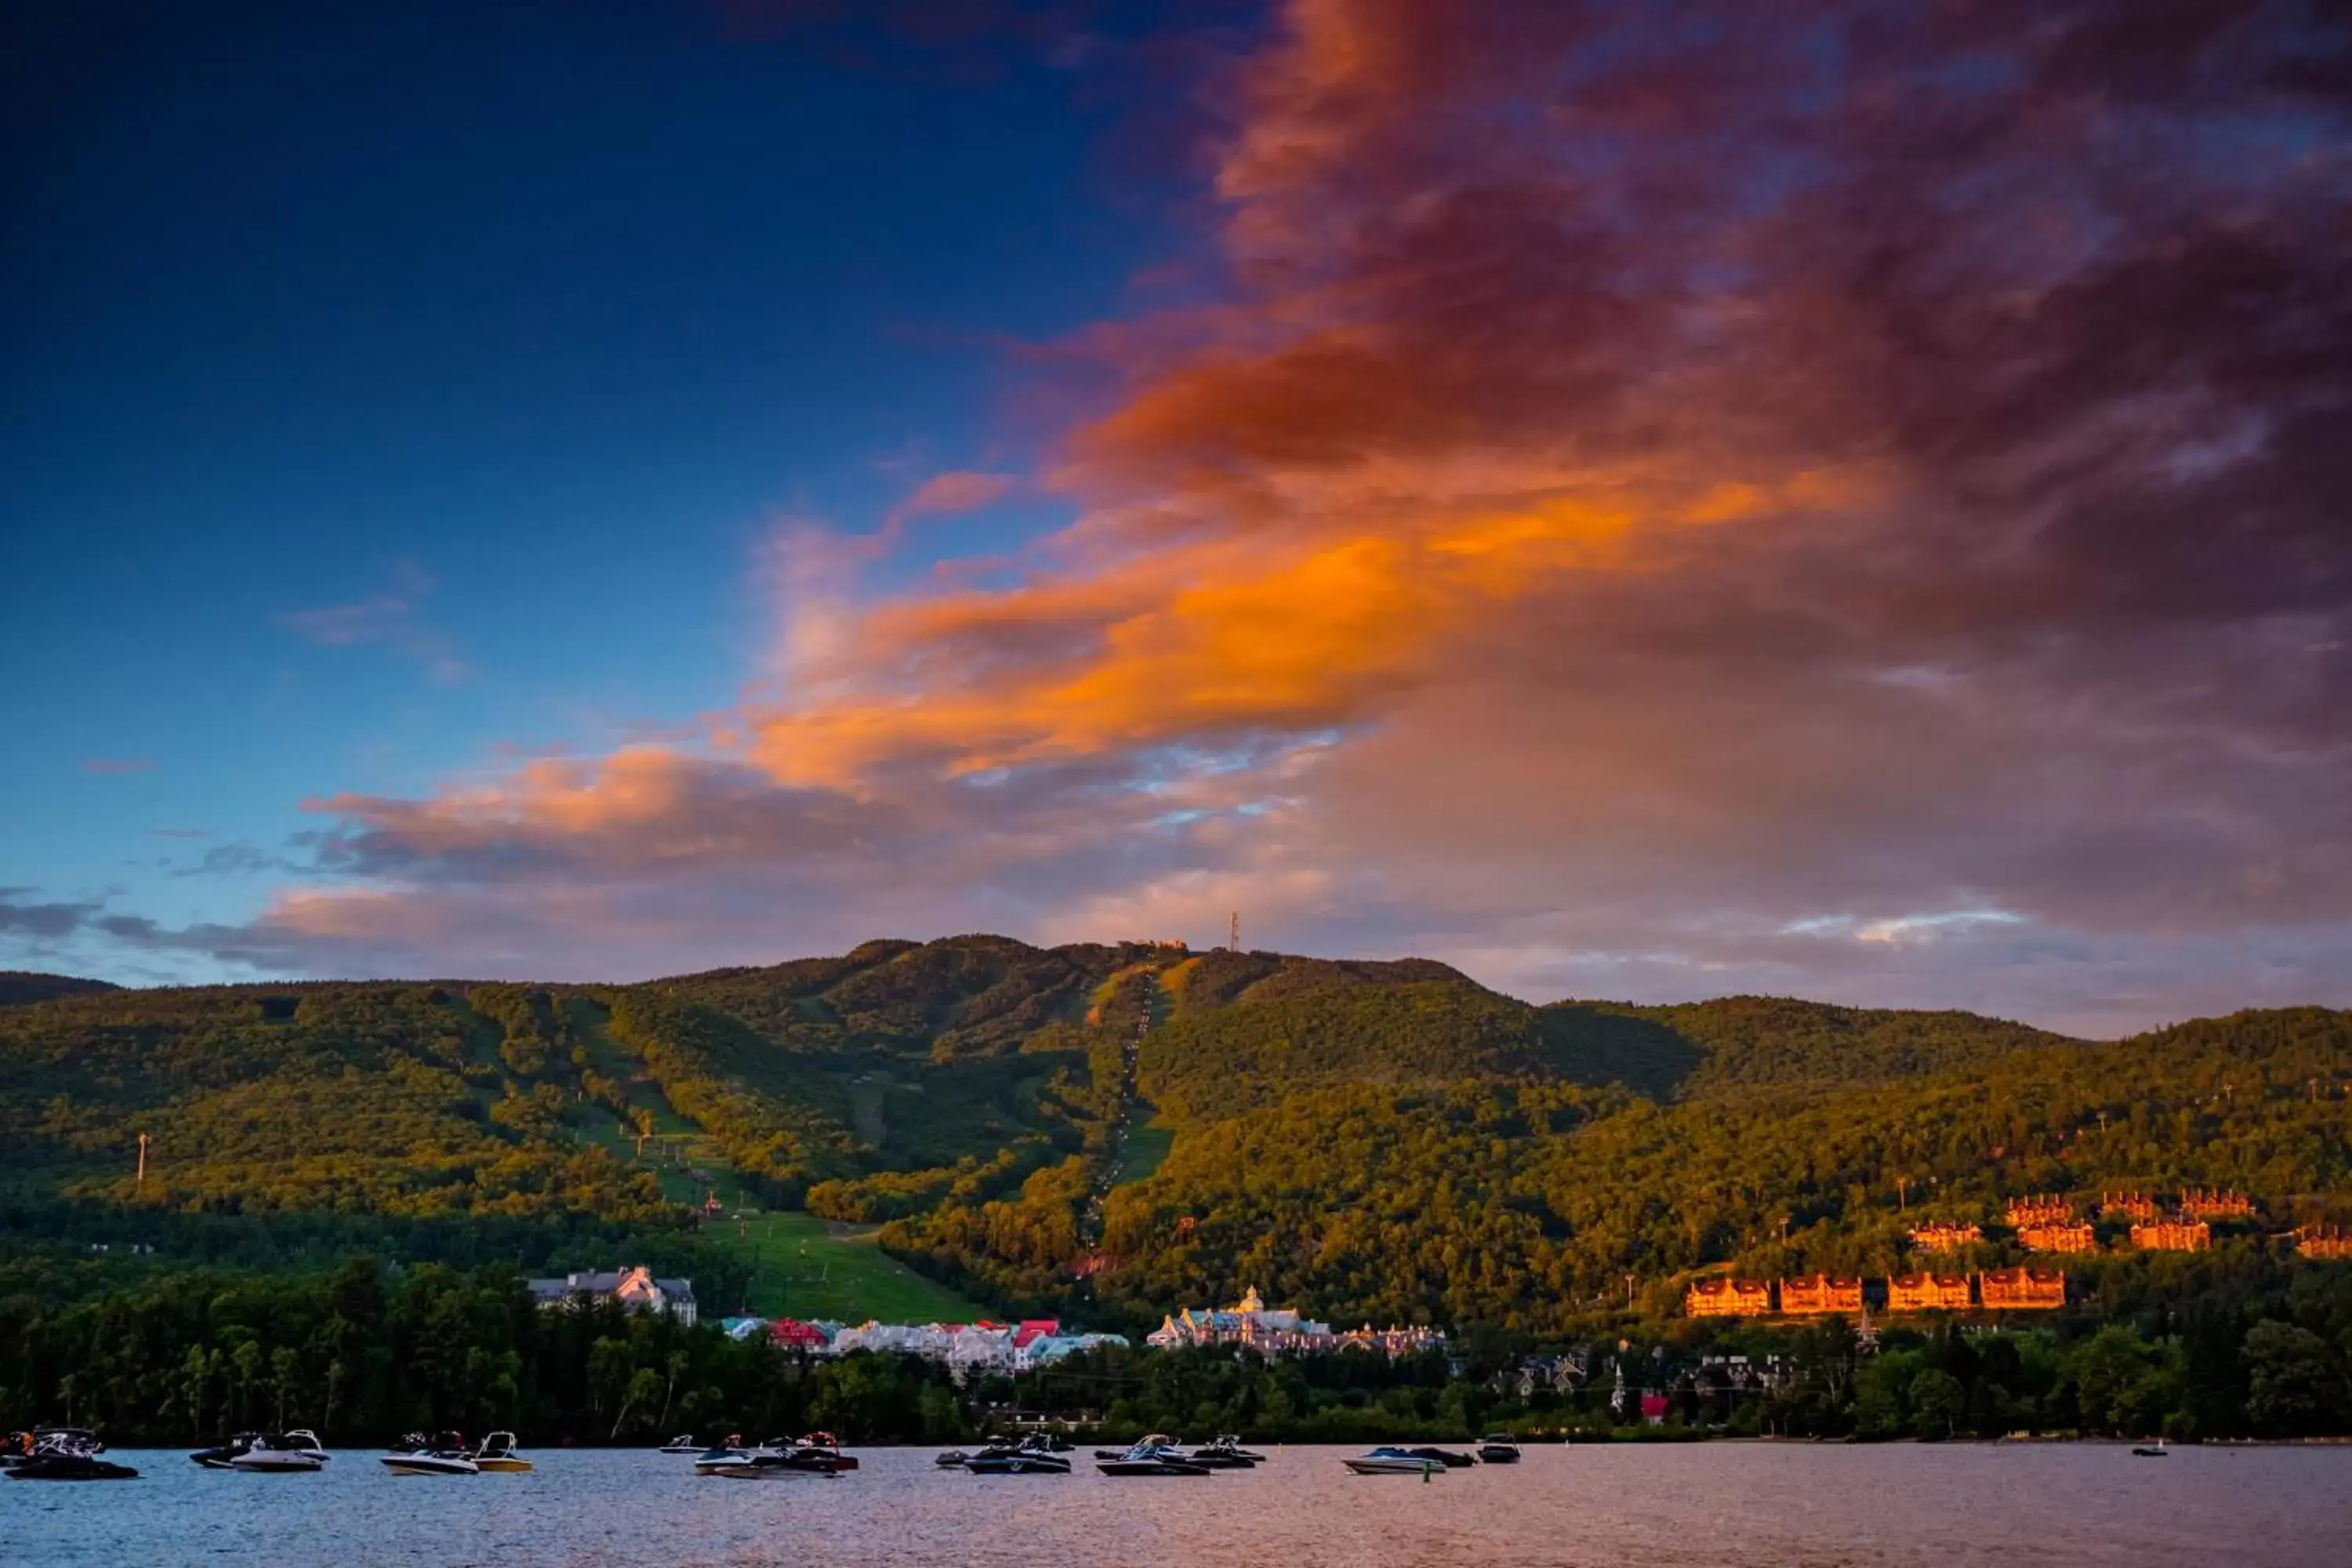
{"points": [[499, 1452], [683, 1442], [289, 1453], [443, 1456], [1387, 1461]]}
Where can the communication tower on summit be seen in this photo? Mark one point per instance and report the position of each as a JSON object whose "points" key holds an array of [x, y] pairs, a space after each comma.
{"points": [[1233, 932]]}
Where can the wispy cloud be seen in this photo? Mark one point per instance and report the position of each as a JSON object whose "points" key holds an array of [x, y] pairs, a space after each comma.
{"points": [[393, 620]]}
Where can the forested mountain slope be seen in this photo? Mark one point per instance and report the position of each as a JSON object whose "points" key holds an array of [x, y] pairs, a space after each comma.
{"points": [[1111, 1129]]}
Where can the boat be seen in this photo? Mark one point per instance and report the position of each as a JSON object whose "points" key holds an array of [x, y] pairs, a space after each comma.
{"points": [[297, 1452], [953, 1459], [1223, 1453], [1157, 1455], [821, 1451], [683, 1442], [2156, 1450], [734, 1450], [1498, 1448], [1030, 1456], [223, 1456], [446, 1455], [67, 1454], [777, 1459], [1388, 1461], [1451, 1460], [499, 1452]]}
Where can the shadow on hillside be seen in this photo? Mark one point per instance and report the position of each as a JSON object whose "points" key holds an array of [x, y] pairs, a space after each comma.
{"points": [[1591, 1045]]}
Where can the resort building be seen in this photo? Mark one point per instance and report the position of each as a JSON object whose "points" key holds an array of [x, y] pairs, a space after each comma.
{"points": [[1942, 1238], [2041, 1209], [2326, 1243], [1819, 1295], [632, 1289], [2058, 1238], [2022, 1290], [2172, 1236], [1928, 1293], [2127, 1205], [1281, 1330], [2206, 1203], [1723, 1297]]}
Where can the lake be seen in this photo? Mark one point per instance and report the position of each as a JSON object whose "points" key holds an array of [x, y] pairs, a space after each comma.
{"points": [[1776, 1505]]}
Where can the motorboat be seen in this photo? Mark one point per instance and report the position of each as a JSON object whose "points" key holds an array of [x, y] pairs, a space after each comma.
{"points": [[1498, 1448], [821, 1451], [499, 1452], [1223, 1454], [1388, 1462], [1230, 1443], [777, 1459], [223, 1456], [1157, 1455], [953, 1459], [1451, 1460], [734, 1450], [683, 1442], [2156, 1450], [67, 1454], [1033, 1456], [288, 1453], [447, 1455]]}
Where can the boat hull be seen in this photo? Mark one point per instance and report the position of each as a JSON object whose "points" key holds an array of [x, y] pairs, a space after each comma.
{"points": [[46, 1468], [752, 1470], [1148, 1468], [277, 1464], [429, 1465], [507, 1467], [1395, 1467]]}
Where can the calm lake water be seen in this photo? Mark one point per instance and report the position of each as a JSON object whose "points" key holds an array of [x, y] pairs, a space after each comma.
{"points": [[1611, 1507]]}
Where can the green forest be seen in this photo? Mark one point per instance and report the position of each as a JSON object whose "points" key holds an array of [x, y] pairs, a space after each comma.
{"points": [[1108, 1131]]}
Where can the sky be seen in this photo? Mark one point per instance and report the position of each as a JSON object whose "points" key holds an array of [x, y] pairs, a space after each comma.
{"points": [[1645, 502]]}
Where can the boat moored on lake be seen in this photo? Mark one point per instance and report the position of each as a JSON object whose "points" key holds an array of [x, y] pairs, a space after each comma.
{"points": [[683, 1442], [1033, 1456], [1390, 1461], [65, 1454], [1157, 1455], [446, 1455], [298, 1452], [1498, 1448]]}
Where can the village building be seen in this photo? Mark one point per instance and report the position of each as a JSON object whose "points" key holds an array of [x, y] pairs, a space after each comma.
{"points": [[2022, 1290], [2210, 1204], [1819, 1295], [2324, 1243], [2041, 1209], [2127, 1205], [2058, 1238], [2172, 1236], [1943, 1237], [1723, 1297], [632, 1289], [1928, 1293]]}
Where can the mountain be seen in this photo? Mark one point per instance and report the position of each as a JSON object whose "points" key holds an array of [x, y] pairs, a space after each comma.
{"points": [[22, 985], [1108, 1129]]}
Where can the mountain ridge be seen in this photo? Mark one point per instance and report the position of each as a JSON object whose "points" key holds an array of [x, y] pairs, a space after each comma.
{"points": [[1102, 1126]]}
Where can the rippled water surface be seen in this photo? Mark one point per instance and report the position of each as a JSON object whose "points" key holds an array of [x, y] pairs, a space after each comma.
{"points": [[1610, 1506]]}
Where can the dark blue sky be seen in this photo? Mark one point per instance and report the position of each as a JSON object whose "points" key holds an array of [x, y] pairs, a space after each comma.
{"points": [[512, 326]]}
